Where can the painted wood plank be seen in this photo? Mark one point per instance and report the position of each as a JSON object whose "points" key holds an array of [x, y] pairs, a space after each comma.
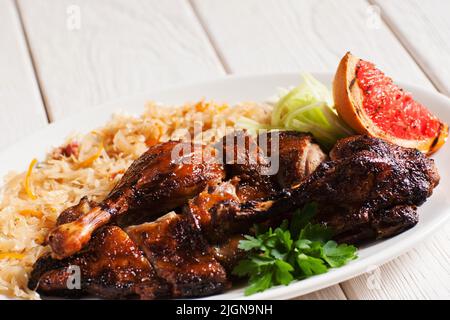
{"points": [[331, 293], [89, 52], [21, 108], [257, 36], [273, 36], [424, 28]]}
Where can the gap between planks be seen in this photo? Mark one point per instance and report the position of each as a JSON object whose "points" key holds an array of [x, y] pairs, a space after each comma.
{"points": [[209, 36], [33, 62]]}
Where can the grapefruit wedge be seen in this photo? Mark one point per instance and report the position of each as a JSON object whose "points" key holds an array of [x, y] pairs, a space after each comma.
{"points": [[369, 102]]}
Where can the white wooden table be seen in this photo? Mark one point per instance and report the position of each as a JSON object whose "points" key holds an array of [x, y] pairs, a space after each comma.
{"points": [[60, 56]]}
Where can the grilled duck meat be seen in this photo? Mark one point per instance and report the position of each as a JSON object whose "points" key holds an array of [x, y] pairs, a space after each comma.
{"points": [[156, 181], [188, 254], [215, 211], [227, 253], [375, 187], [180, 255], [269, 162], [368, 190], [298, 156], [232, 207], [160, 259], [244, 158], [111, 266]]}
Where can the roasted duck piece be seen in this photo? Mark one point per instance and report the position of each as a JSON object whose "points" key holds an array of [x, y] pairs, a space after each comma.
{"points": [[244, 158], [163, 178], [111, 266], [368, 190], [270, 162], [160, 259], [187, 257], [180, 255], [227, 253], [298, 156], [375, 187], [232, 207]]}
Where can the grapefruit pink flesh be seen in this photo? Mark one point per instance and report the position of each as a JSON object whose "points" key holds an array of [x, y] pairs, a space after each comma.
{"points": [[391, 109]]}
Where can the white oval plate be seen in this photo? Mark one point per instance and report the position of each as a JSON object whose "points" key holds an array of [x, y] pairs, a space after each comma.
{"points": [[256, 88]]}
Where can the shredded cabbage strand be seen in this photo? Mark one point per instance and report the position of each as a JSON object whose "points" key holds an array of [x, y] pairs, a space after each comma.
{"points": [[306, 108]]}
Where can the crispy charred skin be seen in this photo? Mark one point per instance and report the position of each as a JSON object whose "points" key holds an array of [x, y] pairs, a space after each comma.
{"points": [[298, 157], [157, 181], [368, 190], [111, 266], [371, 225], [232, 207], [245, 159], [179, 254]]}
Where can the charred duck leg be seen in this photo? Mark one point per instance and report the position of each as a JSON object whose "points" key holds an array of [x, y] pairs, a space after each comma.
{"points": [[179, 254], [158, 180], [161, 259], [111, 266], [368, 190]]}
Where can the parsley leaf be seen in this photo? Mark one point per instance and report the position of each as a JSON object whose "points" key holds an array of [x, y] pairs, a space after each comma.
{"points": [[310, 265], [259, 283], [295, 250], [250, 243], [283, 272], [338, 255]]}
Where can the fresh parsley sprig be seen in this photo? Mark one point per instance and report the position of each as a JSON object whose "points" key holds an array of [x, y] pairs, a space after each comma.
{"points": [[295, 250]]}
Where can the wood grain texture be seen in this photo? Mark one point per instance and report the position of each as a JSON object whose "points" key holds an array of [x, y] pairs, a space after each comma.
{"points": [[271, 36], [424, 28], [257, 36], [331, 293], [121, 48], [21, 107]]}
